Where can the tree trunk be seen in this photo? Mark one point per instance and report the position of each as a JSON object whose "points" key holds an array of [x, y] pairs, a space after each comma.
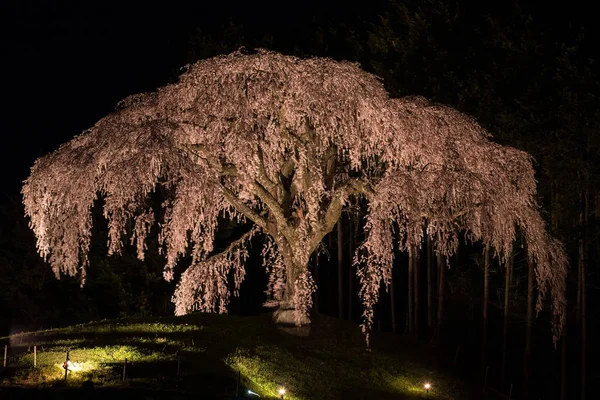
{"points": [[583, 274], [411, 298], [429, 286], [564, 375], [564, 370], [579, 280], [292, 273], [417, 313], [330, 281], [583, 336], [441, 295], [393, 299], [486, 295], [507, 284], [530, 287], [317, 282], [350, 267], [380, 307], [340, 252], [296, 265]]}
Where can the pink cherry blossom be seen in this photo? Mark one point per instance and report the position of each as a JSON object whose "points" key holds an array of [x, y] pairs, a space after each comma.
{"points": [[284, 142]]}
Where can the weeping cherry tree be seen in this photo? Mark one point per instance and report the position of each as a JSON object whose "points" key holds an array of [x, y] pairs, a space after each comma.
{"points": [[284, 143]]}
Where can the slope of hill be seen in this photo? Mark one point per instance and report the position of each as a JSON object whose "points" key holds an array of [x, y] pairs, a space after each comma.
{"points": [[212, 356]]}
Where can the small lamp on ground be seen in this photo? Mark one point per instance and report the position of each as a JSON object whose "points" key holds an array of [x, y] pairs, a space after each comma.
{"points": [[427, 386], [281, 392]]}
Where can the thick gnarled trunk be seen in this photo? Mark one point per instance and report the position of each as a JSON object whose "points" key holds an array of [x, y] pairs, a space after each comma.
{"points": [[297, 301], [293, 310]]}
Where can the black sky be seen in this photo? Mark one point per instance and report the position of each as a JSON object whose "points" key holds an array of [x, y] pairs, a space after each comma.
{"points": [[65, 64]]}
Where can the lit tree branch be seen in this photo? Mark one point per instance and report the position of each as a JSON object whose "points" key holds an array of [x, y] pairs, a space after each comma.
{"points": [[244, 209]]}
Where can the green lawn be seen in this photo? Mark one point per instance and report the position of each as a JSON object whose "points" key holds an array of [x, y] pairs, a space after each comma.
{"points": [[210, 350]]}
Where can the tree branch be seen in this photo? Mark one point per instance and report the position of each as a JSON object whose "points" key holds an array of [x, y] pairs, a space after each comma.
{"points": [[334, 210], [265, 180], [243, 208], [235, 243], [328, 166], [360, 186], [272, 203], [259, 190], [201, 152]]}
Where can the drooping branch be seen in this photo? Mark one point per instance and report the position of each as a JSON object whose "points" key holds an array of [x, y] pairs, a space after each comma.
{"points": [[204, 286], [243, 208], [340, 196], [274, 265]]}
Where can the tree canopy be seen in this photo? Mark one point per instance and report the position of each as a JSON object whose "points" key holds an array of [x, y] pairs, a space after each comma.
{"points": [[284, 142]]}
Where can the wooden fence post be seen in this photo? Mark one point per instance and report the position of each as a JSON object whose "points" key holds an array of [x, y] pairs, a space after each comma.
{"points": [[34, 356], [66, 365], [5, 352], [124, 369]]}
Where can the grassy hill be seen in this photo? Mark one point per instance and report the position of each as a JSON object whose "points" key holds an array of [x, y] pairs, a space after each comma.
{"points": [[211, 351]]}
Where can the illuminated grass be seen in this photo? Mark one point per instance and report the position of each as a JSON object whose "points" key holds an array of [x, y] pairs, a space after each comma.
{"points": [[268, 368], [100, 364], [331, 363], [263, 375]]}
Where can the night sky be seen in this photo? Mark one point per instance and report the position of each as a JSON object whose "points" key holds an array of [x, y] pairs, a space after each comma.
{"points": [[65, 64]]}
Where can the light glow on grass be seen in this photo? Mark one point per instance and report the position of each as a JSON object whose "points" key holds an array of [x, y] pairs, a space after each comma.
{"points": [[258, 372], [76, 366], [102, 364], [72, 366]]}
